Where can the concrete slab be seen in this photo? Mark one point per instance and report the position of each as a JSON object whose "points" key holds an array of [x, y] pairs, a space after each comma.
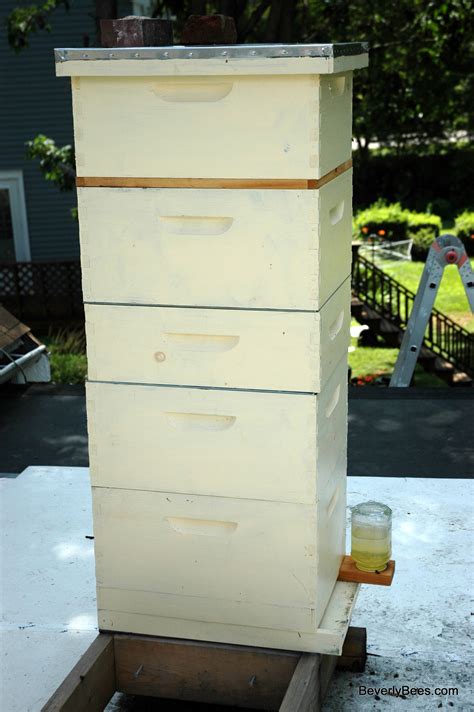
{"points": [[417, 629], [426, 612], [35, 661], [382, 686], [47, 582]]}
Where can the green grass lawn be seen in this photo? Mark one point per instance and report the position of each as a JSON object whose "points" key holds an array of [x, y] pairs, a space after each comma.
{"points": [[370, 361], [451, 298]]}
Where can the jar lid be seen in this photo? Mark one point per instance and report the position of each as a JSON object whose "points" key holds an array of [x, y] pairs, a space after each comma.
{"points": [[372, 510]]}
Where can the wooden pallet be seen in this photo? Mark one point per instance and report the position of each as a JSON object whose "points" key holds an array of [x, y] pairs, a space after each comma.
{"points": [[214, 673]]}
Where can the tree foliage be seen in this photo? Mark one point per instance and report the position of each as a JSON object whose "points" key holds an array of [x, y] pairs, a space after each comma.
{"points": [[419, 86], [57, 164], [24, 21], [416, 94]]}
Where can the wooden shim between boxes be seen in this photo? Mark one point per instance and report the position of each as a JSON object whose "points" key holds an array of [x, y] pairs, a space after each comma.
{"points": [[220, 183]]}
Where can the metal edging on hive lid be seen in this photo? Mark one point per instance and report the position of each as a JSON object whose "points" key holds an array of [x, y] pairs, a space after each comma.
{"points": [[243, 51]]}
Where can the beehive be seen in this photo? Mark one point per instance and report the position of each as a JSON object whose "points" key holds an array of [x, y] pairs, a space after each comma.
{"points": [[215, 221]]}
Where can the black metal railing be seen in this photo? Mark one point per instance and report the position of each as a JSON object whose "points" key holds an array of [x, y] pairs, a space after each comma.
{"points": [[394, 302], [42, 293]]}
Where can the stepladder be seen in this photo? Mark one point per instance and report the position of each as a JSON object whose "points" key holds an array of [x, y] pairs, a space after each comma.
{"points": [[446, 250]]}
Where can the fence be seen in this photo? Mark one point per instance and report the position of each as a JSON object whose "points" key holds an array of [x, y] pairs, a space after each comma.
{"points": [[394, 302], [43, 294]]}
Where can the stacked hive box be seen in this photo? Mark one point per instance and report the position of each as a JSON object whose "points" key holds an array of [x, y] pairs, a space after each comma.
{"points": [[215, 220]]}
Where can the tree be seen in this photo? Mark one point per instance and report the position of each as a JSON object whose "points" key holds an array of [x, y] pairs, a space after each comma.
{"points": [[24, 21], [419, 87]]}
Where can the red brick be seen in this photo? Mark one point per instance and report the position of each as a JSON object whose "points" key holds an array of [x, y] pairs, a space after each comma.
{"points": [[134, 31], [209, 30]]}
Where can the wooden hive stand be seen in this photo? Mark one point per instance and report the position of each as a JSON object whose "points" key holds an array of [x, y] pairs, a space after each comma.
{"points": [[214, 673]]}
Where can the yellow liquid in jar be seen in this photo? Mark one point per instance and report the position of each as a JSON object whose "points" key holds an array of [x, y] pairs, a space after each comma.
{"points": [[371, 547]]}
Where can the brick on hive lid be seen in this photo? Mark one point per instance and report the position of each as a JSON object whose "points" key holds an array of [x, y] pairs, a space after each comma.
{"points": [[209, 30], [136, 31]]}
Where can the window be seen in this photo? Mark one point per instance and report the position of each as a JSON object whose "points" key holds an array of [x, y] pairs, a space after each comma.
{"points": [[7, 245], [14, 240]]}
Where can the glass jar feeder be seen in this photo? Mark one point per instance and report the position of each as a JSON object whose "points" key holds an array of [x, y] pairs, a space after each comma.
{"points": [[371, 534]]}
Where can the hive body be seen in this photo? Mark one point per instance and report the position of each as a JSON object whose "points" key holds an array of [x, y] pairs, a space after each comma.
{"points": [[217, 325], [213, 127]]}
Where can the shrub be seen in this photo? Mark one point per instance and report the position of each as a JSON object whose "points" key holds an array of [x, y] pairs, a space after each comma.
{"points": [[392, 222], [68, 341], [423, 221], [422, 229], [464, 229], [389, 222], [422, 241], [68, 368], [67, 349]]}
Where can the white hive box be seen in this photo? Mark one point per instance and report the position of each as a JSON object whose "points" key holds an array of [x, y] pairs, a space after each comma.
{"points": [[215, 221], [287, 249], [271, 446], [221, 348], [296, 109], [261, 564], [210, 137]]}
